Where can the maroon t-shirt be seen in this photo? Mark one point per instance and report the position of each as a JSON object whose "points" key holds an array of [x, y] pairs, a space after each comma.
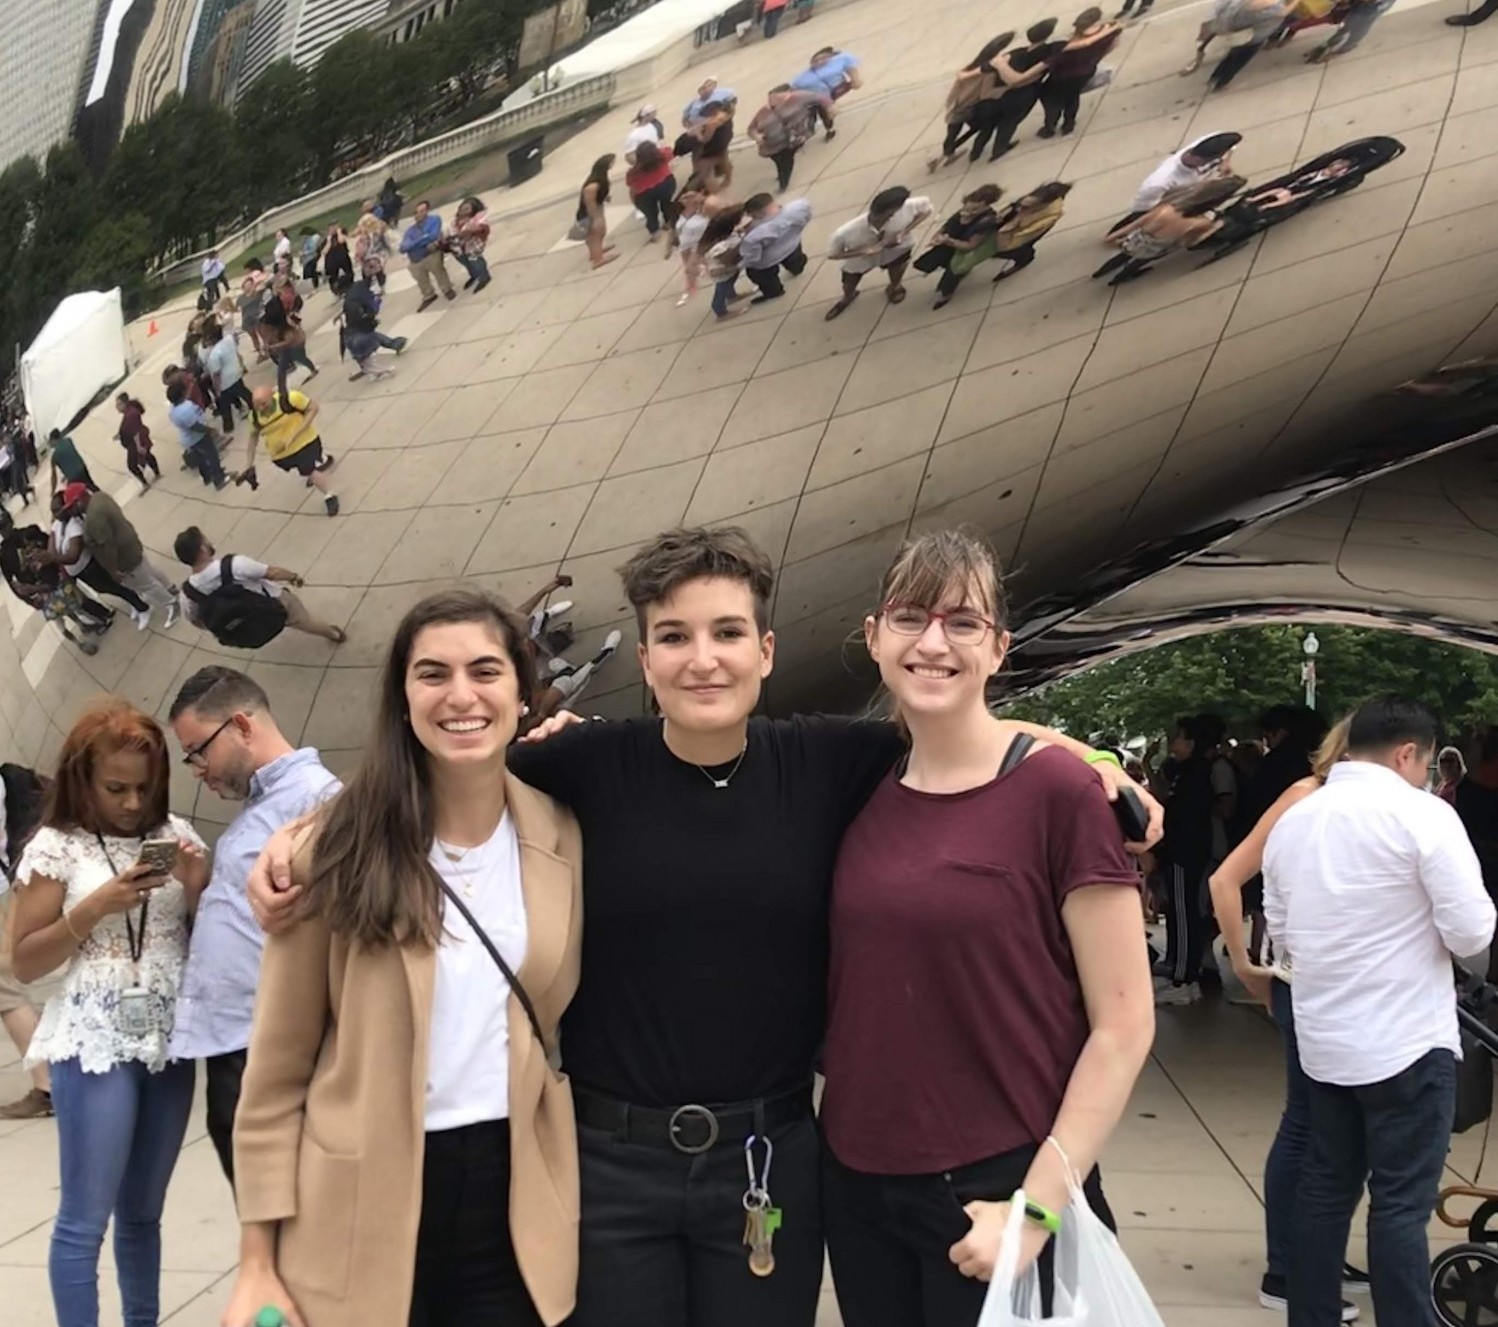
{"points": [[956, 1013]]}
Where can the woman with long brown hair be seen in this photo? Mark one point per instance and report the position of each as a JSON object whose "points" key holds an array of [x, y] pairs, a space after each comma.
{"points": [[105, 888], [1268, 981], [592, 224], [404, 1151]]}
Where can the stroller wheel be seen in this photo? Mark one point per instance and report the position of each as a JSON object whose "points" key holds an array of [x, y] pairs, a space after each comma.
{"points": [[1464, 1285], [1483, 1227]]}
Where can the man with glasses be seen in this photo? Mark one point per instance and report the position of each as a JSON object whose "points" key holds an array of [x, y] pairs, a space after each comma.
{"points": [[232, 743]]}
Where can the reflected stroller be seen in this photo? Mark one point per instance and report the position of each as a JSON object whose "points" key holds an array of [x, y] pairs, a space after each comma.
{"points": [[1244, 220], [1464, 1277]]}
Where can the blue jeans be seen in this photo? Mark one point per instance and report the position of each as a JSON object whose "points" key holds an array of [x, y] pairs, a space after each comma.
{"points": [[118, 1136], [1287, 1155], [721, 293], [1393, 1134], [474, 264]]}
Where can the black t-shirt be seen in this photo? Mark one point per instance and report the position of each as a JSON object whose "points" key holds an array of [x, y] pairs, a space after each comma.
{"points": [[958, 229], [704, 968], [1477, 805]]}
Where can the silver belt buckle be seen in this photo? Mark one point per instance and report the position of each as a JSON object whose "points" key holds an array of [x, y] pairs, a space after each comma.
{"points": [[682, 1113]]}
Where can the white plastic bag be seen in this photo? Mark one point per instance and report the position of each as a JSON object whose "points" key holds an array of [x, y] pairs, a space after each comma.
{"points": [[1095, 1284]]}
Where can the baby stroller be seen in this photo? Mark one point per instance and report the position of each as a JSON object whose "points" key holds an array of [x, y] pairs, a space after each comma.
{"points": [[1464, 1277], [1244, 220]]}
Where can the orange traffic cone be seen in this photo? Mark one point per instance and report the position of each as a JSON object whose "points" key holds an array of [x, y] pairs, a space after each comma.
{"points": [[152, 329]]}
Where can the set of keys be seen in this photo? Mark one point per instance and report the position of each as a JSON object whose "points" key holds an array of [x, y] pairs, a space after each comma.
{"points": [[761, 1218]]}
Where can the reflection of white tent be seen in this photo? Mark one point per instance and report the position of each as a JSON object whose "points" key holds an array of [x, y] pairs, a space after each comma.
{"points": [[79, 351]]}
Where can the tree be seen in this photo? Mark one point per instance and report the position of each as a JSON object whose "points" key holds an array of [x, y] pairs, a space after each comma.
{"points": [[469, 45], [271, 124], [352, 89], [1241, 672], [118, 252]]}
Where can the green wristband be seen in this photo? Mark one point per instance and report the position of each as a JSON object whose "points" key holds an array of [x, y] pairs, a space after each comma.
{"points": [[1042, 1216], [1104, 758]]}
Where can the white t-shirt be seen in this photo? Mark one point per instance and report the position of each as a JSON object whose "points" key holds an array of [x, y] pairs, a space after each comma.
{"points": [[894, 237], [247, 572], [641, 133], [468, 1066], [282, 249], [66, 532], [1370, 886]]}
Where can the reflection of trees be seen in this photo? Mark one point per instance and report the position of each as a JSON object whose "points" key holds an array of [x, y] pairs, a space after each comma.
{"points": [[1241, 672]]}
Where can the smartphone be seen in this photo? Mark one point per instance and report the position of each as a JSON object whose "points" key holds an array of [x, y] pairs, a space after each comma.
{"points": [[1133, 820], [159, 854]]}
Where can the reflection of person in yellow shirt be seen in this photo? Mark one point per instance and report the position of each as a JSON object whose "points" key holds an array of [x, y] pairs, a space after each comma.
{"points": [[285, 422]]}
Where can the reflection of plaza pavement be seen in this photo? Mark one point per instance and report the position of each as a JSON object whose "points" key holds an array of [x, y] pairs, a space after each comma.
{"points": [[564, 415]]}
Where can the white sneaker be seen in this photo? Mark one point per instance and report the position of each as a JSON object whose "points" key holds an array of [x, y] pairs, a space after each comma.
{"points": [[142, 620], [1174, 995], [610, 645], [173, 611]]}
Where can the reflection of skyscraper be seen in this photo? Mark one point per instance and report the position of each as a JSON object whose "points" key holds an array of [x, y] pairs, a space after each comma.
{"points": [[45, 63], [218, 48], [301, 30]]}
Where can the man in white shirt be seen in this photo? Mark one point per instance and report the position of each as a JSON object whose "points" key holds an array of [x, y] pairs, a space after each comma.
{"points": [[1370, 886], [881, 237]]}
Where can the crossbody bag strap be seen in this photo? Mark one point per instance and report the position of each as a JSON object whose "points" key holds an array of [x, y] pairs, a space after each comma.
{"points": [[520, 992]]}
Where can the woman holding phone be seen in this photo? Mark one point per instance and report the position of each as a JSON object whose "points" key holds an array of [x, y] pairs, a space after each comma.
{"points": [[404, 1151], [106, 887]]}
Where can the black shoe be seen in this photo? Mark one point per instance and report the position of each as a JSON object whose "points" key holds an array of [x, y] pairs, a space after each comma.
{"points": [[1354, 1280], [762, 299], [426, 303], [220, 484], [1272, 1296], [400, 344], [1045, 131], [829, 135], [1000, 151], [468, 285], [331, 503], [450, 294], [1463, 21], [1068, 129], [480, 284]]}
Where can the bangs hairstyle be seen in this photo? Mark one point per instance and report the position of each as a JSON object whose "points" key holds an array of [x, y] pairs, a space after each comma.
{"points": [[370, 878], [927, 568], [106, 728], [673, 559]]}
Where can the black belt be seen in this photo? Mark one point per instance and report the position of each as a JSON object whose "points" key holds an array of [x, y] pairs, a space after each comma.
{"points": [[691, 1128]]}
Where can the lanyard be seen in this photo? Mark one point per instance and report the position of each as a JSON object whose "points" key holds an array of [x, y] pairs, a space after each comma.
{"points": [[137, 942]]}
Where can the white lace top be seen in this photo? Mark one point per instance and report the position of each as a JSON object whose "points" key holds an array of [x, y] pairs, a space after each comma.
{"points": [[81, 1020]]}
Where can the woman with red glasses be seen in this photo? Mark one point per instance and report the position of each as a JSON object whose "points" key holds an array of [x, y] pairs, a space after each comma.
{"points": [[990, 987]]}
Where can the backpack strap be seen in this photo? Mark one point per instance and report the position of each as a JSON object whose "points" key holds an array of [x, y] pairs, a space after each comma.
{"points": [[1018, 750], [226, 568]]}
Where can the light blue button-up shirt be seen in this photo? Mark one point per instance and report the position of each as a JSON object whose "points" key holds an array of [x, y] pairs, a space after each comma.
{"points": [[217, 1000]]}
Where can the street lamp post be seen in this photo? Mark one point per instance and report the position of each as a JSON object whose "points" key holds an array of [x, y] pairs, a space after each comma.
{"points": [[1308, 669]]}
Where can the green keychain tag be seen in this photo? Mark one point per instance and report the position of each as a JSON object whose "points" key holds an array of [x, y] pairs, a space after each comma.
{"points": [[773, 1220]]}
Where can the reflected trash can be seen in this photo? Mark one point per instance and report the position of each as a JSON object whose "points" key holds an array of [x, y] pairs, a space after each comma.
{"points": [[525, 160]]}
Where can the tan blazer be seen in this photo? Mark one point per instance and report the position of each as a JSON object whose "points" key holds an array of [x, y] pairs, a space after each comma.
{"points": [[329, 1137]]}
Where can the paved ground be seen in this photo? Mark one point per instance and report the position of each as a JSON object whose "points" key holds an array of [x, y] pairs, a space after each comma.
{"points": [[564, 415], [1184, 1175]]}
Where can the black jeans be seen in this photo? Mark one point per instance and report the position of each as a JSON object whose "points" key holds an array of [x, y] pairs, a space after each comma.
{"points": [[1393, 1134], [138, 461], [768, 278], [663, 1234], [287, 356], [466, 1271], [96, 578], [236, 394], [224, 1073], [1062, 98], [1234, 63], [889, 1237], [656, 204]]}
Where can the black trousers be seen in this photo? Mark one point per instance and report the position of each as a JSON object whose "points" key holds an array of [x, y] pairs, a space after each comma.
{"points": [[889, 1237], [237, 394], [96, 578], [663, 1235], [1013, 107], [224, 1074], [1186, 927], [466, 1271], [1062, 98], [785, 161], [1233, 64], [768, 278]]}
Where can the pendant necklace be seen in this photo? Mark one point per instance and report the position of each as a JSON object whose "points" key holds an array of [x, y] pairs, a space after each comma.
{"points": [[727, 778], [456, 857]]}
